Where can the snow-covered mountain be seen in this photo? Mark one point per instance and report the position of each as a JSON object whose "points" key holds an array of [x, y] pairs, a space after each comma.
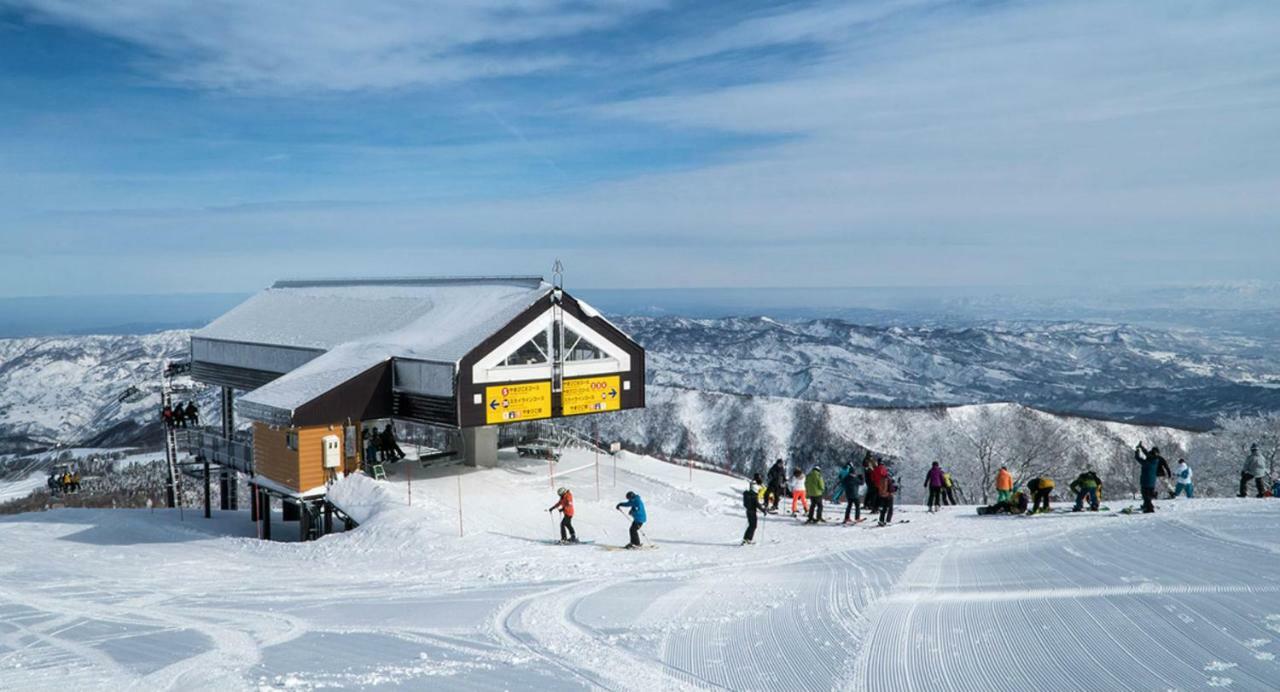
{"points": [[1184, 378], [66, 390]]}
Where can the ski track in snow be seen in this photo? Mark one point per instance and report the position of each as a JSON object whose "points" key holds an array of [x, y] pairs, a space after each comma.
{"points": [[1185, 599]]}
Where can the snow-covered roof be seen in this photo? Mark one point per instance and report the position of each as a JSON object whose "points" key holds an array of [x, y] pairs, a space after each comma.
{"points": [[439, 319], [360, 323]]}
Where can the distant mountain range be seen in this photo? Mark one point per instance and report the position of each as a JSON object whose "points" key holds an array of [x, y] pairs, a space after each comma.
{"points": [[66, 390], [1170, 377]]}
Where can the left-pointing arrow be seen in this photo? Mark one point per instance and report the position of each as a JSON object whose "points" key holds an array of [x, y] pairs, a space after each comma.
{"points": [[494, 404]]}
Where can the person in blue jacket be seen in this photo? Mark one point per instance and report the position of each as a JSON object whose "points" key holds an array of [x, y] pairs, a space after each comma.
{"points": [[638, 517], [1150, 461]]}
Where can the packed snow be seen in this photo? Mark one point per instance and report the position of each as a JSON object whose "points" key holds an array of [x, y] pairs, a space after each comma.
{"points": [[99, 599]]}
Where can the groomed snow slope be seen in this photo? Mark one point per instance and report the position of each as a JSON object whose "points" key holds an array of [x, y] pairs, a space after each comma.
{"points": [[1185, 599]]}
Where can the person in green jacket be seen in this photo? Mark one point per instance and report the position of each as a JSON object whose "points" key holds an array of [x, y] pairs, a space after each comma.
{"points": [[815, 487], [1086, 486]]}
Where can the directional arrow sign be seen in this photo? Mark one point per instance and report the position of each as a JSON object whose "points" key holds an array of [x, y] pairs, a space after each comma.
{"points": [[590, 395], [513, 403]]}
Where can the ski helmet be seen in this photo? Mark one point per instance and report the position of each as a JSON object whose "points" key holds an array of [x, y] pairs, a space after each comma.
{"points": [[561, 491]]}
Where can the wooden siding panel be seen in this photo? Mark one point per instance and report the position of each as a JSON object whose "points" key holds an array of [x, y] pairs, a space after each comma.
{"points": [[311, 454], [273, 458]]}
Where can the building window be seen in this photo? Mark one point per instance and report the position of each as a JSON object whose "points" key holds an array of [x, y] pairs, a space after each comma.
{"points": [[578, 349], [533, 352], [291, 440]]}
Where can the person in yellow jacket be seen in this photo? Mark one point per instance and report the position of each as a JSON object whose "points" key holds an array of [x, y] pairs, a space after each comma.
{"points": [[1004, 485], [1040, 487]]}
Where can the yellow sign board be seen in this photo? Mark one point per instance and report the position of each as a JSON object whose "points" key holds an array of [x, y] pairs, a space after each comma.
{"points": [[513, 403], [591, 395]]}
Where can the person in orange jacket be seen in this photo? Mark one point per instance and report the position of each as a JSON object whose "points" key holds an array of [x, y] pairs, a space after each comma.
{"points": [[565, 505], [1004, 485]]}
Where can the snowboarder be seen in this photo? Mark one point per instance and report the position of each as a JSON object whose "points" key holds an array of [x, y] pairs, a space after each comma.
{"points": [[935, 480], [948, 489], [1150, 460], [193, 414], [850, 484], [886, 486], [1086, 486], [1040, 488], [638, 517], [777, 478], [797, 491], [389, 445], [751, 503], [815, 488], [565, 505], [1004, 485], [1184, 481], [1255, 469]]}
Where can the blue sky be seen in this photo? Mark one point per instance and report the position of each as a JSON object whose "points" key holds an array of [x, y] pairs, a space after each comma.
{"points": [[147, 146]]}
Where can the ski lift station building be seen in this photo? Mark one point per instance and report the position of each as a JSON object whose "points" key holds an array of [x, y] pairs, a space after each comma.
{"points": [[314, 359]]}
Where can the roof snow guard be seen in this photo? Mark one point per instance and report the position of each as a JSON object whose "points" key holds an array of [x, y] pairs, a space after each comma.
{"points": [[458, 351]]}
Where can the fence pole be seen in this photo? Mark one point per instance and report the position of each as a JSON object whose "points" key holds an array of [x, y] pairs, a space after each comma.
{"points": [[409, 471], [597, 463], [459, 477]]}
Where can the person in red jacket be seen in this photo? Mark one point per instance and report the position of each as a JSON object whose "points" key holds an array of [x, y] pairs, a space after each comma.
{"points": [[565, 505], [886, 488]]}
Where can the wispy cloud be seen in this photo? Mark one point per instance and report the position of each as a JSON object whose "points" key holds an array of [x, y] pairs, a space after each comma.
{"points": [[295, 45], [680, 143]]}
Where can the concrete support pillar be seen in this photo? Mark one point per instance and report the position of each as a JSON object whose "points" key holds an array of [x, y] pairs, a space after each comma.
{"points": [[480, 446], [265, 513]]}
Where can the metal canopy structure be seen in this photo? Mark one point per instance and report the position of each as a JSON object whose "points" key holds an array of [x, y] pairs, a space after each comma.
{"points": [[457, 352]]}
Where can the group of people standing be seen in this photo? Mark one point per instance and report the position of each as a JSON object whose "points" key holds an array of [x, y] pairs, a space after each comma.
{"points": [[181, 415], [869, 486], [380, 446]]}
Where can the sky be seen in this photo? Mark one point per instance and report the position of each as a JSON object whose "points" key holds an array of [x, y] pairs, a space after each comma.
{"points": [[153, 146]]}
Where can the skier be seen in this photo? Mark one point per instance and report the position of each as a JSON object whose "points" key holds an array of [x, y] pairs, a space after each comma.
{"points": [[886, 486], [842, 474], [777, 477], [1004, 485], [797, 491], [935, 480], [815, 487], [868, 467], [1150, 460], [1184, 481], [751, 503], [1086, 485], [850, 484], [389, 444], [948, 489], [565, 505], [638, 516], [193, 414], [1255, 469], [1040, 488]]}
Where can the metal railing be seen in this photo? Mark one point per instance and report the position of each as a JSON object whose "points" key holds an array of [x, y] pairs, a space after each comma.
{"points": [[232, 454]]}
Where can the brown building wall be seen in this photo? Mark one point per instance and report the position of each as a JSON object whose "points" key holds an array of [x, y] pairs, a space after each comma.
{"points": [[311, 454], [273, 458]]}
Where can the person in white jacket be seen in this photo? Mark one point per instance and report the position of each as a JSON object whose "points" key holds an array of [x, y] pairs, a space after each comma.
{"points": [[1183, 474], [1255, 469]]}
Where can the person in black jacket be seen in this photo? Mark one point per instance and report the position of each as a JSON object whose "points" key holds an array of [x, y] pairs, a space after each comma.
{"points": [[776, 486], [389, 445], [193, 414], [751, 503], [852, 481]]}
